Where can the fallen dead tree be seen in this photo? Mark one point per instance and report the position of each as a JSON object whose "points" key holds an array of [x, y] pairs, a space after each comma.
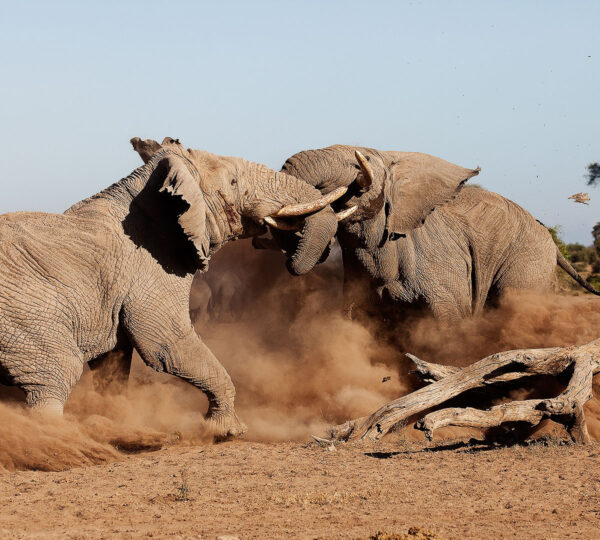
{"points": [[577, 365]]}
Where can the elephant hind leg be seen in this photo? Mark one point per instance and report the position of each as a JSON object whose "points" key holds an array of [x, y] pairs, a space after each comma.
{"points": [[526, 274], [48, 387]]}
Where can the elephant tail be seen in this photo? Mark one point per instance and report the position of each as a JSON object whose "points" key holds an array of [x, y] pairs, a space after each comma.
{"points": [[568, 268]]}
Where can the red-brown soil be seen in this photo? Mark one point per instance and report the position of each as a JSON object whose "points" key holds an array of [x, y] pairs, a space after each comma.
{"points": [[292, 490]]}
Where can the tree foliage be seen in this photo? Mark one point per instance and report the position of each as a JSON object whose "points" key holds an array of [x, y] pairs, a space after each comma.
{"points": [[555, 233], [593, 174], [596, 235], [578, 253]]}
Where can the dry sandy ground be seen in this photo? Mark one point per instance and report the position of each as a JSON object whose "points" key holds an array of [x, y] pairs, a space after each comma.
{"points": [[291, 490]]}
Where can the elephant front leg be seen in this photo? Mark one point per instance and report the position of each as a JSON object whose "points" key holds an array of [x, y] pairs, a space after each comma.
{"points": [[190, 359]]}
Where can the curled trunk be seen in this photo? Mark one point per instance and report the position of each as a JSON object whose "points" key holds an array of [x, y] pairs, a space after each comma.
{"points": [[317, 233], [275, 191]]}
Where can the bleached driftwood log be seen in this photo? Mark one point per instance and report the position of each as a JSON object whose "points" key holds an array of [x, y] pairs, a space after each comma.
{"points": [[577, 364]]}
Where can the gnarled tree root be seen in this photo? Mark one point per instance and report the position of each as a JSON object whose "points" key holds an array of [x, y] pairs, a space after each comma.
{"points": [[580, 364]]}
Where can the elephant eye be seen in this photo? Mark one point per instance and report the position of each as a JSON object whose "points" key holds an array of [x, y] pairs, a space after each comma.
{"points": [[233, 181]]}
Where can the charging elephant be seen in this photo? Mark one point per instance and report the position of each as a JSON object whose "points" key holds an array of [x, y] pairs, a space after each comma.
{"points": [[227, 295], [217, 296], [413, 238], [200, 300], [115, 270]]}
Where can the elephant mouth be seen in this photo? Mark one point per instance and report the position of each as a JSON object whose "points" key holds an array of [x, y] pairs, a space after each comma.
{"points": [[252, 228]]}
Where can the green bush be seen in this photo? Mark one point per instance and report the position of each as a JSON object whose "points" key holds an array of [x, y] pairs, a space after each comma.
{"points": [[555, 233], [594, 280], [577, 253]]}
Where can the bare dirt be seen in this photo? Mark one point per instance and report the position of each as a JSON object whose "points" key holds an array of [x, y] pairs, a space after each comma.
{"points": [[142, 463], [292, 490]]}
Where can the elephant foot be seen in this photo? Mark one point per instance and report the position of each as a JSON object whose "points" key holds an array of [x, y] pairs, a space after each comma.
{"points": [[225, 425], [49, 407]]}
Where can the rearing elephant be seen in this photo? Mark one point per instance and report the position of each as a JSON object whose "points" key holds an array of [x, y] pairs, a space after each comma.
{"points": [[416, 239], [114, 272]]}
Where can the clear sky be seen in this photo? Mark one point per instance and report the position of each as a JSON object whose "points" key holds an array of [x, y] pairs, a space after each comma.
{"points": [[511, 86]]}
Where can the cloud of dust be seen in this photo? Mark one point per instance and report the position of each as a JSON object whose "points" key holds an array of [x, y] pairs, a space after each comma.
{"points": [[299, 366], [297, 363], [523, 319], [98, 428]]}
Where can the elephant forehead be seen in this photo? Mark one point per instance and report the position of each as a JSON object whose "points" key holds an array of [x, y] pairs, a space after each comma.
{"points": [[213, 169]]}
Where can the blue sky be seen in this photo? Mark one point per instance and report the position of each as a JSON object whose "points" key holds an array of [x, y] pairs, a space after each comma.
{"points": [[513, 87]]}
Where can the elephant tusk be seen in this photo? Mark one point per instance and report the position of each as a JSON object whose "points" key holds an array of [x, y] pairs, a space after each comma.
{"points": [[302, 209], [366, 169], [287, 226], [279, 224], [345, 213]]}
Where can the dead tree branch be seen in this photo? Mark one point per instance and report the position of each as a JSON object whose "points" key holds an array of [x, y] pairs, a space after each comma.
{"points": [[447, 382]]}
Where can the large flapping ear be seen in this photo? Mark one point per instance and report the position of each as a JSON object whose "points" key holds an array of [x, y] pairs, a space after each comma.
{"points": [[417, 185], [177, 178], [145, 148]]}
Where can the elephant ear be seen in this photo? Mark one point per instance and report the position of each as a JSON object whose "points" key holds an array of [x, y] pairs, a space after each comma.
{"points": [[418, 184], [148, 147], [181, 182], [145, 148]]}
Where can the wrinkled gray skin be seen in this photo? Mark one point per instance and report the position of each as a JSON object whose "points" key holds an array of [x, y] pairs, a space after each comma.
{"points": [[418, 241], [114, 272]]}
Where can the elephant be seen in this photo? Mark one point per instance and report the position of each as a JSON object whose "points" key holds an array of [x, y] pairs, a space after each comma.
{"points": [[114, 272], [227, 295], [415, 240], [200, 300], [216, 296]]}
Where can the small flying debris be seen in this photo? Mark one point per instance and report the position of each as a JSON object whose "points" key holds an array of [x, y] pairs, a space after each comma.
{"points": [[385, 379], [582, 198]]}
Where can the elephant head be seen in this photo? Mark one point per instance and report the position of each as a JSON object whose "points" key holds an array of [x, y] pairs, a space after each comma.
{"points": [[402, 188], [225, 198]]}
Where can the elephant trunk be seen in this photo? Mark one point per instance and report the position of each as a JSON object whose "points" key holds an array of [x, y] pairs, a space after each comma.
{"points": [[280, 194], [317, 233]]}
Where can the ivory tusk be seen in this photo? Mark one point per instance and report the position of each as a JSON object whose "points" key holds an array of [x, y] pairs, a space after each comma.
{"points": [[366, 169], [279, 224], [302, 209], [345, 213]]}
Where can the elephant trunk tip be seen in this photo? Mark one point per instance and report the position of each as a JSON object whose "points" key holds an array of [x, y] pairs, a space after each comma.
{"points": [[298, 266], [317, 233], [293, 269]]}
